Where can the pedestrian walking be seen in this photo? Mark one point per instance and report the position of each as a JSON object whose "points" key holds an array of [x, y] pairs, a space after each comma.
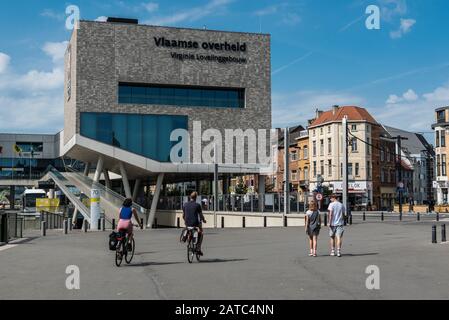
{"points": [[336, 224], [313, 226]]}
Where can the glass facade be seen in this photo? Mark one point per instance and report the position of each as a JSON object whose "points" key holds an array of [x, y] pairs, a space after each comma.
{"points": [[181, 96], [144, 134], [20, 168]]}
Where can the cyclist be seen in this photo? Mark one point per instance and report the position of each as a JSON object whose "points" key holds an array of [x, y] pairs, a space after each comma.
{"points": [[193, 217], [125, 219]]}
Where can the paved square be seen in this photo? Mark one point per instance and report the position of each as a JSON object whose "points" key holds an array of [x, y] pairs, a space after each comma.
{"points": [[270, 263]]}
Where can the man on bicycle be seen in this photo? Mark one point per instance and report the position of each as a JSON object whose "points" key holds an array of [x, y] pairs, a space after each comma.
{"points": [[125, 219], [193, 217]]}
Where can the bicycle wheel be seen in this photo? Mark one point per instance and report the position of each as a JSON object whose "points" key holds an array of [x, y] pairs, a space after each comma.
{"points": [[190, 251], [198, 256], [130, 253], [119, 254]]}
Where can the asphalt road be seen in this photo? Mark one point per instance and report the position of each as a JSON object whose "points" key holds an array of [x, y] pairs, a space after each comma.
{"points": [[269, 263]]}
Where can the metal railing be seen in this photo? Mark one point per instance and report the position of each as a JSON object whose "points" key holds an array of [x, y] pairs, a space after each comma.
{"points": [[115, 198], [268, 203]]}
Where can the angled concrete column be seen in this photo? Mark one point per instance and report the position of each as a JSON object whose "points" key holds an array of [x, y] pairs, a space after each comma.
{"points": [[125, 181], [136, 189], [86, 169], [107, 180], [157, 192], [99, 168], [75, 213]]}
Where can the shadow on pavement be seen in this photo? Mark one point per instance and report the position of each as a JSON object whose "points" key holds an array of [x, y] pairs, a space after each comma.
{"points": [[146, 264], [220, 260], [359, 254]]}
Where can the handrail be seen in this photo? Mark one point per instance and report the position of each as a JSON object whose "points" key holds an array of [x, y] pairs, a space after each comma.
{"points": [[53, 174], [118, 197]]}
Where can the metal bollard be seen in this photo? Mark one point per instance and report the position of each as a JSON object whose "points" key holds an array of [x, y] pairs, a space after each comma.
{"points": [[43, 228], [418, 217], [325, 219], [113, 224], [400, 216], [85, 225], [103, 224], [285, 221], [155, 223], [222, 222], [443, 233], [434, 234], [66, 226], [141, 223], [350, 220], [178, 223], [265, 221], [243, 222], [438, 216], [99, 224], [364, 216], [382, 216]]}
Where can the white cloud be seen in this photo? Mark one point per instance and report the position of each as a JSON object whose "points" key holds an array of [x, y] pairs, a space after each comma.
{"points": [[409, 95], [53, 15], [56, 50], [101, 19], [33, 100], [151, 6], [192, 14], [405, 27], [267, 11], [392, 8], [4, 62], [298, 107], [439, 94], [291, 19]]}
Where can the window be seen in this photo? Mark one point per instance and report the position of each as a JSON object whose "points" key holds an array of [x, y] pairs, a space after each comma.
{"points": [[293, 155], [294, 175], [306, 173], [30, 146], [382, 154], [322, 167], [442, 138], [438, 165], [382, 175], [321, 131], [441, 116], [314, 169], [357, 173], [329, 145], [354, 145], [306, 153], [353, 127], [314, 148], [313, 132], [146, 135], [349, 169], [443, 165], [367, 128], [368, 146], [184, 96], [321, 147], [329, 129], [437, 138], [329, 167]]}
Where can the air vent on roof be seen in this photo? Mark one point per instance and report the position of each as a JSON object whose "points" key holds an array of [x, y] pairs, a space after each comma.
{"points": [[122, 20]]}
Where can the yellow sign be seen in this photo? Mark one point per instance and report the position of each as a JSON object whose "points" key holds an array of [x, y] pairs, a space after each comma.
{"points": [[46, 204]]}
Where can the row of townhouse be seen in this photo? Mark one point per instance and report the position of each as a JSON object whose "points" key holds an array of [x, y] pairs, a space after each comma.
{"points": [[316, 155]]}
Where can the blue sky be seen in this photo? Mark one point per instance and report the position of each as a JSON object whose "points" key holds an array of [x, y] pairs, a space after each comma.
{"points": [[322, 54]]}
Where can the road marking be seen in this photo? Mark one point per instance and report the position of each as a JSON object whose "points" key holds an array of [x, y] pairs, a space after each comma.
{"points": [[7, 246]]}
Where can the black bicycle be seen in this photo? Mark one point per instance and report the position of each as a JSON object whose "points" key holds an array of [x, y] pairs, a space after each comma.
{"points": [[125, 248], [192, 244]]}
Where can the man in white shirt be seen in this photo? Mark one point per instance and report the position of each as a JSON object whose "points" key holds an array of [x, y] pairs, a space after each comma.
{"points": [[336, 222]]}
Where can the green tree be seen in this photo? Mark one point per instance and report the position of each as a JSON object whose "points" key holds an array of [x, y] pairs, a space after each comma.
{"points": [[241, 187]]}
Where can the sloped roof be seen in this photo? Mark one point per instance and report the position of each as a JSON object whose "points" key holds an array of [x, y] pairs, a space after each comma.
{"points": [[414, 144], [353, 113]]}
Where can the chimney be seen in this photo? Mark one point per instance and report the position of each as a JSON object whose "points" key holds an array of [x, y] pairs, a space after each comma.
{"points": [[318, 113], [334, 109]]}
